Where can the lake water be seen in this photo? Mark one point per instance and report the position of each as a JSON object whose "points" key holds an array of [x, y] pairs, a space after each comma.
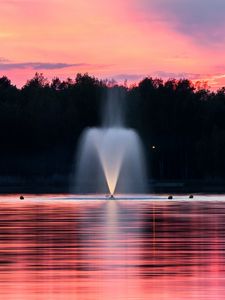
{"points": [[54, 247]]}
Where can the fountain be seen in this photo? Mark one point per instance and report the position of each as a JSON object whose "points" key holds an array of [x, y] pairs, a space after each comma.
{"points": [[110, 158]]}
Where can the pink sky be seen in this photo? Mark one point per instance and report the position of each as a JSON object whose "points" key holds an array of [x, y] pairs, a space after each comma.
{"points": [[117, 39]]}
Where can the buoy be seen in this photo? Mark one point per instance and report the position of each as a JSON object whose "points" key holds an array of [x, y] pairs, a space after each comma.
{"points": [[170, 197], [191, 197], [21, 197]]}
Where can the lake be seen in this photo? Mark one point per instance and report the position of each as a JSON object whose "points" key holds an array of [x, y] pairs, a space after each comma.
{"points": [[57, 247]]}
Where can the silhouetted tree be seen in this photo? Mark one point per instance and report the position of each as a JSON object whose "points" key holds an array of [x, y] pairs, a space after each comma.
{"points": [[41, 124]]}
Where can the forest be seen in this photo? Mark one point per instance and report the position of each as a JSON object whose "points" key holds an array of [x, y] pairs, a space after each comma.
{"points": [[181, 124]]}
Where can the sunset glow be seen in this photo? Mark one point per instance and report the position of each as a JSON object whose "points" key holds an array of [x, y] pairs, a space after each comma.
{"points": [[117, 39]]}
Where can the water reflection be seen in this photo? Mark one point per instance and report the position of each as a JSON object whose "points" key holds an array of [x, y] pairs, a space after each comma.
{"points": [[111, 249]]}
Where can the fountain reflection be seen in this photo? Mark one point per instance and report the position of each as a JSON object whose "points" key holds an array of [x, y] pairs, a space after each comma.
{"points": [[112, 250]]}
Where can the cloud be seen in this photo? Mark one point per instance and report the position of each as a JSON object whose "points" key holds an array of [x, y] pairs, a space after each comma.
{"points": [[202, 20], [160, 74], [131, 77], [3, 59], [214, 80], [5, 66], [178, 75]]}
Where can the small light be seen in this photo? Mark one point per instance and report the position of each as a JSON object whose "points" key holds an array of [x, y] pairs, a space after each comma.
{"points": [[153, 147]]}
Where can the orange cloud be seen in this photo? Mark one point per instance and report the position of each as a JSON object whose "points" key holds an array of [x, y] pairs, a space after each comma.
{"points": [[111, 38]]}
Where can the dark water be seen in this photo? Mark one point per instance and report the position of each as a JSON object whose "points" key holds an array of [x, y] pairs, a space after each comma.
{"points": [[53, 249]]}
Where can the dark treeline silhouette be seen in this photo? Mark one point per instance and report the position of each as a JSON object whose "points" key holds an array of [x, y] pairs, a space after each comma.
{"points": [[182, 125]]}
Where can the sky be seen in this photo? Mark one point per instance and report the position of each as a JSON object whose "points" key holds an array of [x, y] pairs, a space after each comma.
{"points": [[123, 40]]}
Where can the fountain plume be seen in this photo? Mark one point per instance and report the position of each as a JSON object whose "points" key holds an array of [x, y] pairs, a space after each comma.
{"points": [[110, 158]]}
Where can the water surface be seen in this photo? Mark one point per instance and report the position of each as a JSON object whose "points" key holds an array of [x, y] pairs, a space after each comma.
{"points": [[55, 247]]}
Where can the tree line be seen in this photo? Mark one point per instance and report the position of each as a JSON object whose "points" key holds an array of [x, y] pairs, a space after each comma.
{"points": [[182, 124]]}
